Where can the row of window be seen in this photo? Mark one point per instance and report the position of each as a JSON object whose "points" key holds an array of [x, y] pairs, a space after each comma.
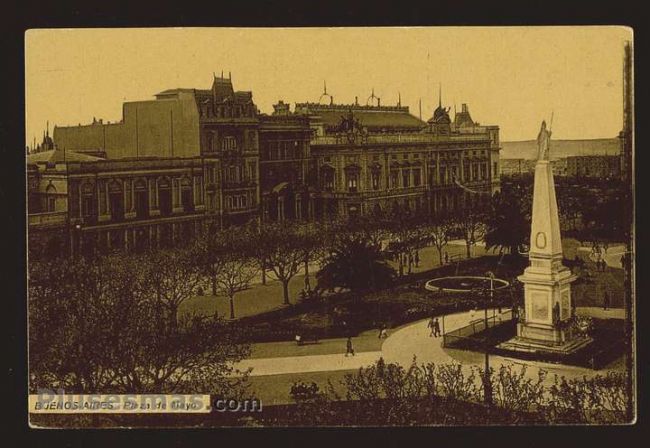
{"points": [[230, 142], [241, 173], [284, 150], [409, 177], [407, 156], [227, 111], [238, 202]]}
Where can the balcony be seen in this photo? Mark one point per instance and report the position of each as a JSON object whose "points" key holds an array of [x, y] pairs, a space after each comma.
{"points": [[402, 138], [48, 219]]}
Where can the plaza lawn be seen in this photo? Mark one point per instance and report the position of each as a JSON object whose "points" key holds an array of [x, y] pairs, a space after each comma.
{"points": [[264, 298], [255, 300], [589, 289], [264, 318], [351, 314]]}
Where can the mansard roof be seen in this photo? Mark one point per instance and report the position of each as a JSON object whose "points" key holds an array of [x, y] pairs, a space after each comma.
{"points": [[372, 118], [60, 156]]}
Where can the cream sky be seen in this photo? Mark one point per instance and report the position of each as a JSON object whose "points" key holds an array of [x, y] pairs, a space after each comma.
{"points": [[513, 77]]}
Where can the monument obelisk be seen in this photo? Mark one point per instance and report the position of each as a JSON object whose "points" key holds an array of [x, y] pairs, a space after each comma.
{"points": [[545, 324]]}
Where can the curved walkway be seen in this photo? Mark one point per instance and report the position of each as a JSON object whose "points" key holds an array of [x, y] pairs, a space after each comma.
{"points": [[427, 349], [414, 341]]}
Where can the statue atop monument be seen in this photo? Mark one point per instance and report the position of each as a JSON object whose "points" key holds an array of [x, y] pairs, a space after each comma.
{"points": [[543, 142]]}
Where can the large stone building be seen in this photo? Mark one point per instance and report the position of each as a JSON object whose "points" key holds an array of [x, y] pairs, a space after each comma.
{"points": [[373, 158], [601, 167], [80, 202], [213, 124], [191, 158]]}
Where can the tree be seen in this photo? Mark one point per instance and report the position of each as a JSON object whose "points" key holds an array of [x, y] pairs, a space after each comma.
{"points": [[313, 246], [209, 248], [439, 231], [407, 234], [96, 326], [237, 266], [471, 223], [175, 276], [69, 337], [282, 247], [355, 262], [507, 226]]}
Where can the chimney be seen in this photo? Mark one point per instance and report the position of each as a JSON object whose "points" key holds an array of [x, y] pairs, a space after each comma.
{"points": [[464, 107]]}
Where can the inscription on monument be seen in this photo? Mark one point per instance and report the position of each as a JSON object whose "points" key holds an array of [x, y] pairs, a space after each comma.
{"points": [[539, 306]]}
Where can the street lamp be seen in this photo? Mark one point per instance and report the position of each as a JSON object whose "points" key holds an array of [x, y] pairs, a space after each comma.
{"points": [[487, 384], [78, 238]]}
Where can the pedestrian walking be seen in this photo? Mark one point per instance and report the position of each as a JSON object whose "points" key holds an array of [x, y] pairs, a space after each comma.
{"points": [[606, 301], [436, 328], [446, 258], [383, 332], [431, 325], [349, 349], [605, 247]]}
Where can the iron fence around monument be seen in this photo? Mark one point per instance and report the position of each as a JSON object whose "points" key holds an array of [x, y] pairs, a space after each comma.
{"points": [[465, 333]]}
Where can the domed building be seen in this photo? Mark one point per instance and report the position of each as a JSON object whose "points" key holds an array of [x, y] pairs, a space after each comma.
{"points": [[440, 123]]}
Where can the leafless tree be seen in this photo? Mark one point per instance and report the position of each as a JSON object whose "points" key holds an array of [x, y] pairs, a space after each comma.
{"points": [[471, 223], [238, 266], [175, 277], [439, 230], [283, 248], [97, 326]]}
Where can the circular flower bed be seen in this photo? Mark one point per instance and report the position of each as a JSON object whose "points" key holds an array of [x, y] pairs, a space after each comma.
{"points": [[464, 284]]}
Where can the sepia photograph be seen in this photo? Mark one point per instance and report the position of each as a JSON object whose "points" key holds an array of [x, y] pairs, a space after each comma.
{"points": [[330, 227]]}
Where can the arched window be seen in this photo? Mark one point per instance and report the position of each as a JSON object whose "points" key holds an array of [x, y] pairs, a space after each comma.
{"points": [[50, 198], [87, 199]]}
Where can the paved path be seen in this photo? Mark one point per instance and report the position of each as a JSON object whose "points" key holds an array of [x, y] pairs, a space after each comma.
{"points": [[414, 341], [307, 364]]}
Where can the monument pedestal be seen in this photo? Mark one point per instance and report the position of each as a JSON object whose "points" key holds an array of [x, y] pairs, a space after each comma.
{"points": [[535, 338]]}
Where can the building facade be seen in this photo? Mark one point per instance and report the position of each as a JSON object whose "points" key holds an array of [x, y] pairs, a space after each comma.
{"points": [[191, 158], [602, 167], [374, 158], [82, 205]]}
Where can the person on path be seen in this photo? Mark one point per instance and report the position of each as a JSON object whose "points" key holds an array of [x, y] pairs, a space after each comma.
{"points": [[349, 349], [431, 325], [436, 328], [383, 332], [446, 258], [605, 301]]}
